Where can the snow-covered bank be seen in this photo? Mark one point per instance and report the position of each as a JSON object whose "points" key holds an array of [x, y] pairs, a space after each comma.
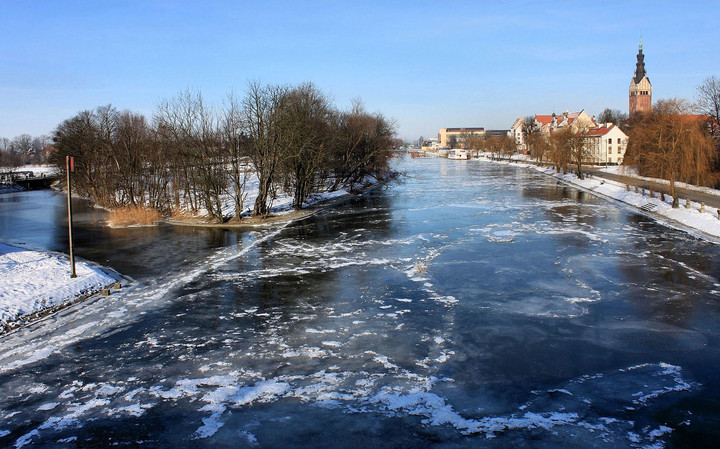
{"points": [[703, 224], [32, 282], [36, 169], [631, 172], [281, 210]]}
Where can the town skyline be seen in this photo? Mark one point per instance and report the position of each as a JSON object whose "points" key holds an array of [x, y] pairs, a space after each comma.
{"points": [[427, 65]]}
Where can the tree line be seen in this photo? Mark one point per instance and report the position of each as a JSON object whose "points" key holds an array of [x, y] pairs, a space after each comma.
{"points": [[190, 154], [671, 144], [23, 149]]}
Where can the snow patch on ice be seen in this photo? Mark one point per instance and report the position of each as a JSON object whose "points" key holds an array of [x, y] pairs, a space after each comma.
{"points": [[48, 406], [31, 281]]}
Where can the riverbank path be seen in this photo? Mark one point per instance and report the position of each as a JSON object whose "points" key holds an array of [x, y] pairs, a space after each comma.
{"points": [[693, 195]]}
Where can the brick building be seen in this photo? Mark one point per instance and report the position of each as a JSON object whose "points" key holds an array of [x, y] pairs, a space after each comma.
{"points": [[640, 95]]}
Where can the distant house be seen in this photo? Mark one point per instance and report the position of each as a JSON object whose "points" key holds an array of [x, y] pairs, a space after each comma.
{"points": [[447, 136], [517, 132], [431, 144], [578, 121], [606, 144]]}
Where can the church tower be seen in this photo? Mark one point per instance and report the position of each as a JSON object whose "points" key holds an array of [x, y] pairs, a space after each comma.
{"points": [[640, 87]]}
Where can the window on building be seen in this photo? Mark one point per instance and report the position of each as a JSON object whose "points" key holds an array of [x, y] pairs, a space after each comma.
{"points": [[609, 150]]}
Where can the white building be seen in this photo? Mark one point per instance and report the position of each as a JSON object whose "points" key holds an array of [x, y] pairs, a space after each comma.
{"points": [[577, 121], [546, 124], [517, 133], [606, 144], [431, 144]]}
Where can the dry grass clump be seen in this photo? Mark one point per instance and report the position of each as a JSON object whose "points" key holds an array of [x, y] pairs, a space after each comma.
{"points": [[134, 216]]}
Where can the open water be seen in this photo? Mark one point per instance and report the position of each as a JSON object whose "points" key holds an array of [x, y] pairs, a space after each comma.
{"points": [[471, 305]]}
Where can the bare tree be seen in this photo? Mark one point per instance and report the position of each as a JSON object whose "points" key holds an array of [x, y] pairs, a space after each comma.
{"points": [[192, 128], [506, 145], [304, 138], [529, 127], [614, 116], [81, 137], [538, 146], [361, 146], [474, 141], [132, 157], [39, 149], [237, 147], [708, 102], [672, 145], [559, 153], [260, 110], [22, 146], [570, 147], [8, 158]]}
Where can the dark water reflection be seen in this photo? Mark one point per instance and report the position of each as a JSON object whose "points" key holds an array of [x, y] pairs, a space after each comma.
{"points": [[468, 295], [39, 220]]}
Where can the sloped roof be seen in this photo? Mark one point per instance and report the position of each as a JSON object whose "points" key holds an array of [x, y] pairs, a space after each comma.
{"points": [[601, 131], [563, 118], [544, 119]]}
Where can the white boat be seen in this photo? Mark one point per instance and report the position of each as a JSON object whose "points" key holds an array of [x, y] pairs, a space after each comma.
{"points": [[458, 155]]}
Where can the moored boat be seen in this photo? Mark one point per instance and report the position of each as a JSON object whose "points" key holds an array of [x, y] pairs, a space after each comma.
{"points": [[458, 155]]}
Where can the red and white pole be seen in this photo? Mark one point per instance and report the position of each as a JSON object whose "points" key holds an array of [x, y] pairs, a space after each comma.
{"points": [[70, 167]]}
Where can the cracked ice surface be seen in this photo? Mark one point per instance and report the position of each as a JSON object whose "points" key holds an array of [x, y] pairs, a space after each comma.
{"points": [[469, 314]]}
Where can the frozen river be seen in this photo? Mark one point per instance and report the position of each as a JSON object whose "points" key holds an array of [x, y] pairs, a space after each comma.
{"points": [[472, 305]]}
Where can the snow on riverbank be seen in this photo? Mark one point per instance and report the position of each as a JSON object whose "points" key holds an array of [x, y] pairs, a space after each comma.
{"points": [[690, 219], [631, 172], [32, 281], [36, 169], [282, 203]]}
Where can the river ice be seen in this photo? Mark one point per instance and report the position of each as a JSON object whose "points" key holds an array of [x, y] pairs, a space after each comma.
{"points": [[471, 305]]}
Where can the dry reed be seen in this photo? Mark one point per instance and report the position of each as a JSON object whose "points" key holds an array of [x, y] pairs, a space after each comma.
{"points": [[134, 216]]}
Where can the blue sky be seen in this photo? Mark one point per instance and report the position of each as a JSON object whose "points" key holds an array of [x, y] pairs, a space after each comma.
{"points": [[425, 64]]}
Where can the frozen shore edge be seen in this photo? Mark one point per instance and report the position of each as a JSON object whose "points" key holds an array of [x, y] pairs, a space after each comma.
{"points": [[94, 280], [283, 217], [33, 317], [698, 224]]}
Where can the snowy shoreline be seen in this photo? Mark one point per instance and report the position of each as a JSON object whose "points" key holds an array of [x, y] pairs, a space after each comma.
{"points": [[34, 284], [705, 225], [282, 213]]}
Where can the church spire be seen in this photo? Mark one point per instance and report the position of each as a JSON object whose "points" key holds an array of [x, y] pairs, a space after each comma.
{"points": [[640, 65], [640, 93]]}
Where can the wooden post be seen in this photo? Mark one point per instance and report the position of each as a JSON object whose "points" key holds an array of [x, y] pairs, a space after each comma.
{"points": [[70, 166]]}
